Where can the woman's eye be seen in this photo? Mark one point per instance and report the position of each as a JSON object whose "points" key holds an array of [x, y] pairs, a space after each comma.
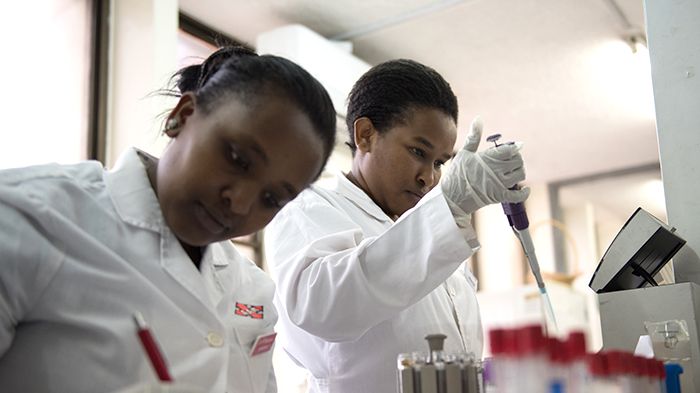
{"points": [[439, 164], [270, 200], [417, 152], [239, 161]]}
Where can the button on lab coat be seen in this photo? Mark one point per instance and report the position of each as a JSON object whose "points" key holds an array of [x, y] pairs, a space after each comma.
{"points": [[355, 289], [83, 249]]}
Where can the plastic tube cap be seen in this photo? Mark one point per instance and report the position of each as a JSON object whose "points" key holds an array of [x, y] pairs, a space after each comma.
{"points": [[576, 345], [531, 340], [597, 364], [617, 362], [497, 341]]}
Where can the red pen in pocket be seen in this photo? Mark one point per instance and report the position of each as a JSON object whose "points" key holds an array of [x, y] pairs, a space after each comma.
{"points": [[151, 347]]}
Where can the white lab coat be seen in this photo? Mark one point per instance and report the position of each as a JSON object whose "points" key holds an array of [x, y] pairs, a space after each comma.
{"points": [[81, 250], [355, 289]]}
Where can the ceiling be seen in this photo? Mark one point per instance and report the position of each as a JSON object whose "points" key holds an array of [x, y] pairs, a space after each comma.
{"points": [[555, 74]]}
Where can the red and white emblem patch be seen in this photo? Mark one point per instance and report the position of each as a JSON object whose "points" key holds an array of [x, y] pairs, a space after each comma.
{"points": [[249, 310]]}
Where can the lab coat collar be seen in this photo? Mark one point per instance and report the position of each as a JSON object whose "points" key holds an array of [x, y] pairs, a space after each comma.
{"points": [[131, 192], [218, 257], [357, 196]]}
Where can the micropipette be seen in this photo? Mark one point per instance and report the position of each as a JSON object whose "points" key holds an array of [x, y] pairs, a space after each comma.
{"points": [[517, 218]]}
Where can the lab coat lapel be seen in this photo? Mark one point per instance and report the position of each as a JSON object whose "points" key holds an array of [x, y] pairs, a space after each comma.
{"points": [[132, 194], [136, 204], [177, 263], [219, 276], [358, 197]]}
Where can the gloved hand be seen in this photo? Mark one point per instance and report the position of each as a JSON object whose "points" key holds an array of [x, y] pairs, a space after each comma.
{"points": [[478, 179]]}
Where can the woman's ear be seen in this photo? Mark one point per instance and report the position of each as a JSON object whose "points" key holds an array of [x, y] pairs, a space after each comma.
{"points": [[364, 133], [178, 116]]}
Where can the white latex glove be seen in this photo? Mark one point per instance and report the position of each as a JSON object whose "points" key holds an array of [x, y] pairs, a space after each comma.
{"points": [[476, 179], [161, 388]]}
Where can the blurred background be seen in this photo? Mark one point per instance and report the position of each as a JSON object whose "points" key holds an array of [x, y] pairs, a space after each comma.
{"points": [[569, 78]]}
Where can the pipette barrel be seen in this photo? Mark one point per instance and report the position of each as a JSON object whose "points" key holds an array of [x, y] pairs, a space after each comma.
{"points": [[517, 217]]}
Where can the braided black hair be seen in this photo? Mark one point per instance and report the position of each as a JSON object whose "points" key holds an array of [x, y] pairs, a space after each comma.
{"points": [[240, 71], [388, 91]]}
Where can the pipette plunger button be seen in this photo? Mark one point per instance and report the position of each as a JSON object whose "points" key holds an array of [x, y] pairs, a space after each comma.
{"points": [[493, 138]]}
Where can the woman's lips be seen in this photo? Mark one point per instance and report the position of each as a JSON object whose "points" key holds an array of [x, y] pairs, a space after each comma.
{"points": [[416, 197], [208, 221]]}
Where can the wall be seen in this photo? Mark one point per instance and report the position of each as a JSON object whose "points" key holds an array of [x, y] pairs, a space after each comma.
{"points": [[674, 47], [143, 56]]}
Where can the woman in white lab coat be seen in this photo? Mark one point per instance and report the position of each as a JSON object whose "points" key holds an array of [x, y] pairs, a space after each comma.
{"points": [[83, 249], [369, 266]]}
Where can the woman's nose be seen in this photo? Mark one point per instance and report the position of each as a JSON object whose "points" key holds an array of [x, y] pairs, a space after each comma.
{"points": [[427, 177], [240, 199]]}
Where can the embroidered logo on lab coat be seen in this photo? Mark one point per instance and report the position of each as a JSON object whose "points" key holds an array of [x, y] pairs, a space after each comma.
{"points": [[248, 310]]}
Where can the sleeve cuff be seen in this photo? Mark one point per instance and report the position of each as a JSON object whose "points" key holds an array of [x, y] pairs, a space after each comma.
{"points": [[464, 223]]}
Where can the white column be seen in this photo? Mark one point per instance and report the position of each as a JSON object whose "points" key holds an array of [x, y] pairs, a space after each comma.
{"points": [[142, 58], [674, 47], [542, 227]]}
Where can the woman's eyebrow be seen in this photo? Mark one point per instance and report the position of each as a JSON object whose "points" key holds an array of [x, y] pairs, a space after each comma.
{"points": [[429, 145], [423, 141]]}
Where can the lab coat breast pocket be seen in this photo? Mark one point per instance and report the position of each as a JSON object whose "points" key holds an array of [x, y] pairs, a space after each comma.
{"points": [[254, 360]]}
